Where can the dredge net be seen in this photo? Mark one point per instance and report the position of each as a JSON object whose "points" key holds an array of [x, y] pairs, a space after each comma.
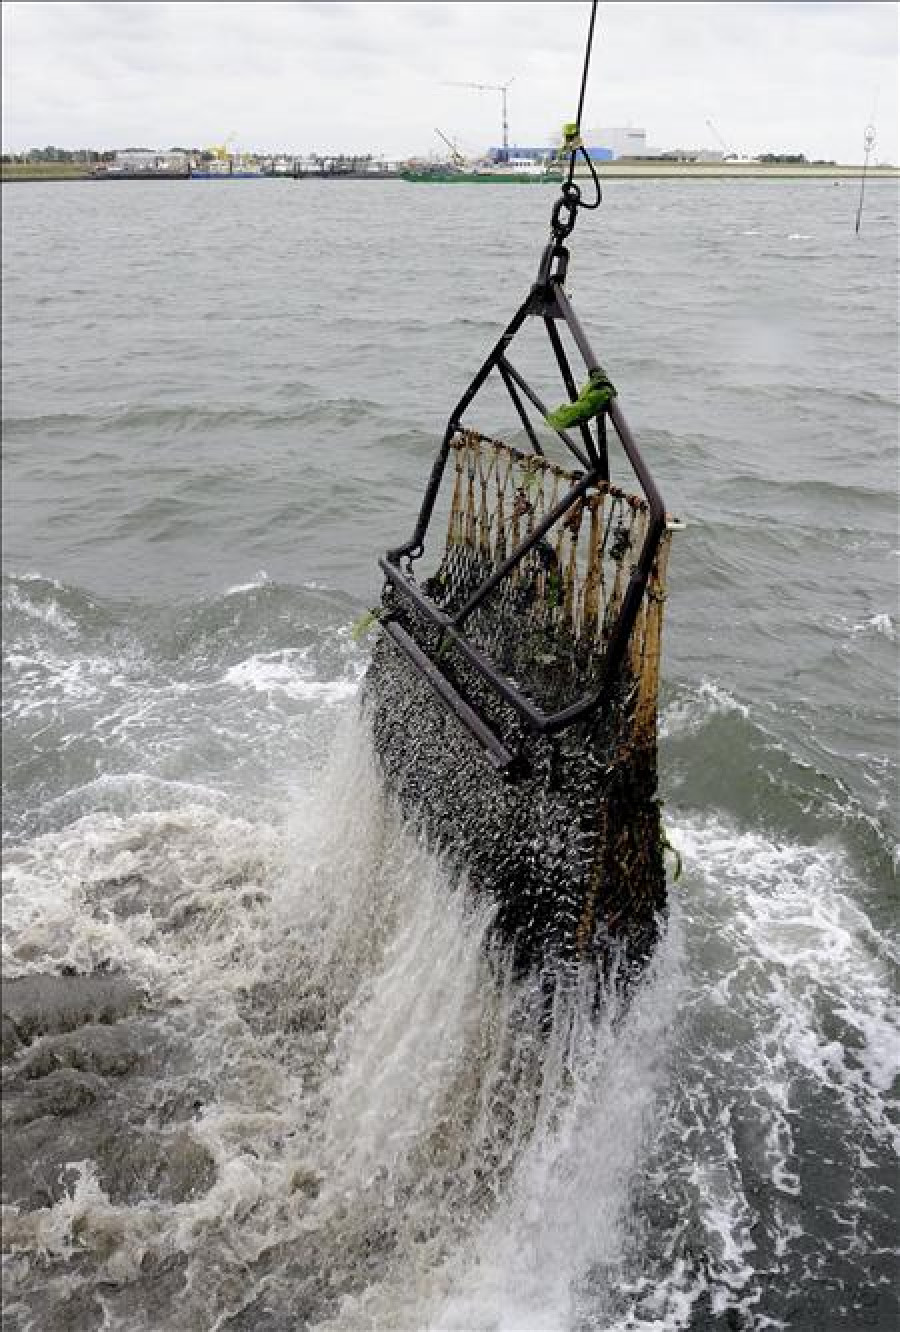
{"points": [[513, 691], [571, 845], [547, 624]]}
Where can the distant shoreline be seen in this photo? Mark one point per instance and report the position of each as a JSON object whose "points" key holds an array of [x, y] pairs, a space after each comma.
{"points": [[52, 171], [737, 171]]}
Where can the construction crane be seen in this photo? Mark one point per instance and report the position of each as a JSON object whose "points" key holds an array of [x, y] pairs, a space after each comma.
{"points": [[729, 152], [455, 154], [493, 87]]}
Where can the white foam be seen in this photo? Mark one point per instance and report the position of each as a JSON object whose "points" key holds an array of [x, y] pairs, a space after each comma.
{"points": [[507, 1168], [422, 1036], [782, 958], [690, 712], [807, 955], [52, 1231], [880, 624], [48, 613], [260, 579], [58, 889], [34, 576], [288, 673]]}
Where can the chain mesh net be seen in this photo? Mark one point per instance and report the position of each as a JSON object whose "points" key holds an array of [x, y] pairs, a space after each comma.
{"points": [[572, 846]]}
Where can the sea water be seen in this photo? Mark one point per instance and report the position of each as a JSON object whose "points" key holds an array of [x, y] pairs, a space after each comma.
{"points": [[316, 1097]]}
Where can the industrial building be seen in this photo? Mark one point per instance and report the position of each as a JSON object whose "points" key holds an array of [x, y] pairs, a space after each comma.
{"points": [[150, 162], [622, 141], [601, 145], [596, 154]]}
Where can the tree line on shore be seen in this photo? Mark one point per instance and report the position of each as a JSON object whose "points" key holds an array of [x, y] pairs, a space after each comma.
{"points": [[93, 155], [97, 156]]}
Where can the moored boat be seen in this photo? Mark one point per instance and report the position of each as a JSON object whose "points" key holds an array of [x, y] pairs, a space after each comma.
{"points": [[124, 173], [515, 171]]}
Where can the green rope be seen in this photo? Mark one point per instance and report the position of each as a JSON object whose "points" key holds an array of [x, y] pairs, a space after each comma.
{"points": [[594, 398], [571, 139]]}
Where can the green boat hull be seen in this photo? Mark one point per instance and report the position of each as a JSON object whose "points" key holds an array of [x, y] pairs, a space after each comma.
{"points": [[480, 178]]}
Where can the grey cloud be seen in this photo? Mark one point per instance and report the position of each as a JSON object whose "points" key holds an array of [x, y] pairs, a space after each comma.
{"points": [[367, 74]]}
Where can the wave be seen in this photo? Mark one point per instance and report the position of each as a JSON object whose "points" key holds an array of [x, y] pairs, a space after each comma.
{"points": [[394, 1142], [693, 709], [193, 692], [277, 672], [773, 772], [169, 422], [881, 623], [372, 1080], [788, 1021]]}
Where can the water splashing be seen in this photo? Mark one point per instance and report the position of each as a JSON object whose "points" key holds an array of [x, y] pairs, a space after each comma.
{"points": [[394, 1139]]}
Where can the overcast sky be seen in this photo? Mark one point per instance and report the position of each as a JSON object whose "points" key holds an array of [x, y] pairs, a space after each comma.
{"points": [[330, 75]]}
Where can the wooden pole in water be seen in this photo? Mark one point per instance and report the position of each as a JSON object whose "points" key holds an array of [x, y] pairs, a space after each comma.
{"points": [[869, 142]]}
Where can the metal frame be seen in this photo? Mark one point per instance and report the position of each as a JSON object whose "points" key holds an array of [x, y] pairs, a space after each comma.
{"points": [[546, 300]]}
